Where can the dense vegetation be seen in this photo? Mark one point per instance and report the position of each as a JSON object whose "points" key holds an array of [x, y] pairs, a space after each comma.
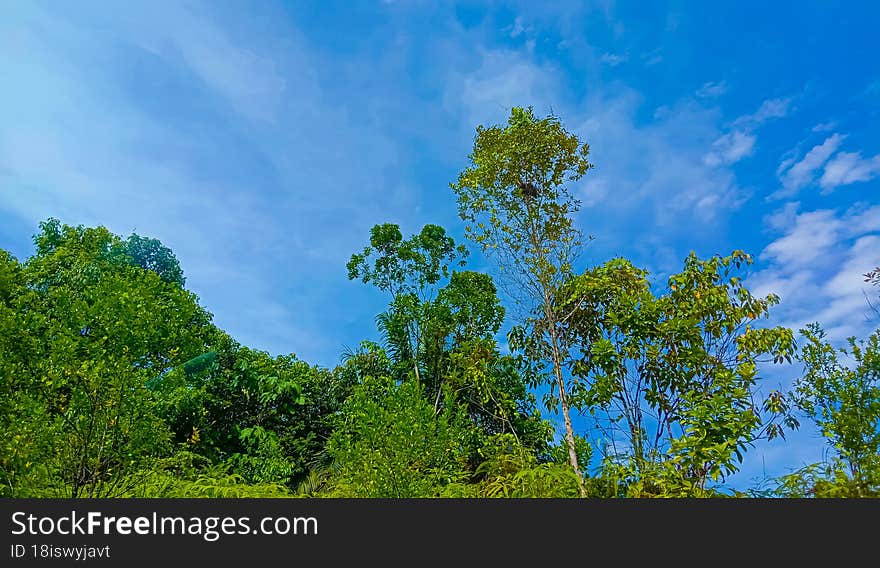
{"points": [[114, 382]]}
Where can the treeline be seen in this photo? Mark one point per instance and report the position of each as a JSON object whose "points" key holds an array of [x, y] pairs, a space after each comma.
{"points": [[114, 382]]}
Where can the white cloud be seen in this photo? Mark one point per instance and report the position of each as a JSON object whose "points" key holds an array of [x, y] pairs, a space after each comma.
{"points": [[816, 268], [613, 59], [519, 28], [846, 311], [849, 167], [782, 284], [825, 126], [784, 218], [504, 79], [769, 109], [867, 221], [840, 168], [739, 142], [811, 236], [658, 168], [730, 148], [796, 175], [712, 89]]}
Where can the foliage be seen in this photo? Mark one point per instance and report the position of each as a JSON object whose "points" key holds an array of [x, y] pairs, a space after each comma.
{"points": [[511, 471], [185, 475], [441, 325], [518, 208], [514, 199], [151, 254], [624, 478], [114, 382], [404, 266], [100, 329], [390, 443], [269, 417], [671, 378], [840, 392], [409, 270]]}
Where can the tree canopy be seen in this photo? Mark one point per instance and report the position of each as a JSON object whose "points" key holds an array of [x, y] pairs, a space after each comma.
{"points": [[543, 378]]}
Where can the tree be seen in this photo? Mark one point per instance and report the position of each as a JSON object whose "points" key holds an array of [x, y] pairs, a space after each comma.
{"points": [[103, 328], [151, 254], [26, 432], [445, 335], [671, 378], [460, 363], [409, 270], [873, 277], [459, 328], [515, 199], [840, 392]]}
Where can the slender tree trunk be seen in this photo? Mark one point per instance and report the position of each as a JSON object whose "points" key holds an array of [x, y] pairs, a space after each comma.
{"points": [[550, 321], [566, 413], [437, 398], [413, 339]]}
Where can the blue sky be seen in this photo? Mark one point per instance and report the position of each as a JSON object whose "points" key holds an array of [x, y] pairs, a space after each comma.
{"points": [[261, 141]]}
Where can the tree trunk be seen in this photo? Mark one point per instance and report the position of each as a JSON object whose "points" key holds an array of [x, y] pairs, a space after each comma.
{"points": [[550, 321], [566, 414]]}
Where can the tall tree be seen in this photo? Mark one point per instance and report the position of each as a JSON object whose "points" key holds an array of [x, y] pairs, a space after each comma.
{"points": [[518, 207], [409, 270]]}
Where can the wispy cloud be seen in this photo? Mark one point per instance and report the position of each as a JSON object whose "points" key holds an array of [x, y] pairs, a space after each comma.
{"points": [[712, 89], [251, 82], [816, 267], [769, 109], [795, 175], [502, 80], [519, 27], [613, 59], [837, 168], [655, 173], [739, 141], [810, 236], [730, 148], [848, 167], [653, 57], [825, 126]]}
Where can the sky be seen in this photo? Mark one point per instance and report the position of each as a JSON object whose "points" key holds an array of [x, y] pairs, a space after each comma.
{"points": [[261, 141]]}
